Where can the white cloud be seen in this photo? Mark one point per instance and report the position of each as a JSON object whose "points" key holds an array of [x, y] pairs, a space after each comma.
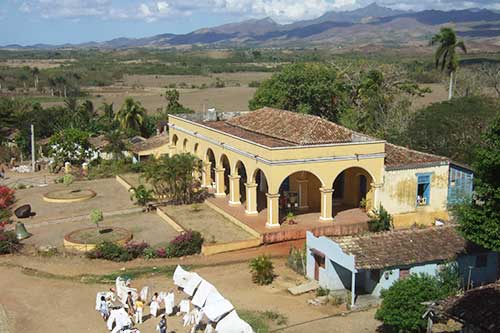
{"points": [[280, 10]]}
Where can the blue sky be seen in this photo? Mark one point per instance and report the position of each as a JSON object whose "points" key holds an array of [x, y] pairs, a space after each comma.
{"points": [[60, 21]]}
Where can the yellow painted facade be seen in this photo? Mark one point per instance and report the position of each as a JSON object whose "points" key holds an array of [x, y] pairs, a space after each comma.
{"points": [[252, 174]]}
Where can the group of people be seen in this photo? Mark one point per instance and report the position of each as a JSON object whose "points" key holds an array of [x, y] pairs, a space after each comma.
{"points": [[123, 316]]}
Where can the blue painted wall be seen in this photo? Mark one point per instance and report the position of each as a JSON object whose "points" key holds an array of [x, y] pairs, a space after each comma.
{"points": [[338, 266], [460, 184], [479, 275]]}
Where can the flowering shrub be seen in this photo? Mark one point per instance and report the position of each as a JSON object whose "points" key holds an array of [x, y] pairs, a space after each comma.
{"points": [[114, 252], [71, 145], [186, 244], [136, 249], [7, 198], [161, 252]]}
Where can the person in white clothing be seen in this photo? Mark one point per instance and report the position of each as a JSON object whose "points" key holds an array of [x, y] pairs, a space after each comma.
{"points": [[118, 317], [169, 303], [154, 306]]}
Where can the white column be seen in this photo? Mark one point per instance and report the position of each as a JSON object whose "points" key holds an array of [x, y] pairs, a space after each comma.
{"points": [[353, 288]]}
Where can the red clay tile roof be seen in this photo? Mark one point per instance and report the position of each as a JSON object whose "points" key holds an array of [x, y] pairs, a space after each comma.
{"points": [[403, 247], [248, 135], [293, 127], [397, 157], [151, 143], [479, 307]]}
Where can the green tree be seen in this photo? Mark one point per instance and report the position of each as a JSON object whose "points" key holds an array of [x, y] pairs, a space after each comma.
{"points": [[306, 87], [131, 114], [174, 177], [96, 217], [116, 143], [479, 220], [446, 55], [402, 308], [141, 194], [451, 128], [70, 145], [173, 105]]}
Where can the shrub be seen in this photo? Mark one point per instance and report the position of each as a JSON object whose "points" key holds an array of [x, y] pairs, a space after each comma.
{"points": [[382, 222], [68, 179], [141, 195], [136, 249], [449, 278], [149, 253], [161, 252], [254, 84], [185, 244], [7, 197], [262, 270], [322, 291], [8, 242], [402, 308], [297, 260]]}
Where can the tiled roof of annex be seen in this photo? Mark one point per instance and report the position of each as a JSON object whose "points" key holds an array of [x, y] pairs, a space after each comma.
{"points": [[403, 247]]}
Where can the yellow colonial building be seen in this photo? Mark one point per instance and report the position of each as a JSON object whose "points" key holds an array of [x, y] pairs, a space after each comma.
{"points": [[277, 162]]}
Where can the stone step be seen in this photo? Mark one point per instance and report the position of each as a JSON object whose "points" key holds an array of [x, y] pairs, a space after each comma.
{"points": [[304, 288]]}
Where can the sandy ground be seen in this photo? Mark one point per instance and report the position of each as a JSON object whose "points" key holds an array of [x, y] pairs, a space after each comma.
{"points": [[147, 227], [37, 304], [213, 226], [223, 99], [438, 94], [111, 196], [230, 79]]}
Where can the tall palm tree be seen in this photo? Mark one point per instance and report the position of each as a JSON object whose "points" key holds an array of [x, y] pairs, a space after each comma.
{"points": [[35, 72], [445, 55], [131, 114]]}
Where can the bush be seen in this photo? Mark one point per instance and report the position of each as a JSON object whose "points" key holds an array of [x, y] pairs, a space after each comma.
{"points": [[149, 253], [114, 252], [8, 242], [185, 244], [402, 308], [383, 221], [297, 260], [136, 249], [68, 179], [254, 84], [161, 252], [262, 270]]}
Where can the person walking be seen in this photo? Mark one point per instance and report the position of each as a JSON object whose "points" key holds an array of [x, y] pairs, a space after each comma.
{"points": [[139, 305], [162, 325]]}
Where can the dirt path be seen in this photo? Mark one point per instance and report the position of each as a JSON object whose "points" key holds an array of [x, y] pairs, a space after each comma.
{"points": [[73, 265], [36, 304]]}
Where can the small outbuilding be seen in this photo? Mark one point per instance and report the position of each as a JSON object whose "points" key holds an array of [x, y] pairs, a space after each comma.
{"points": [[367, 264]]}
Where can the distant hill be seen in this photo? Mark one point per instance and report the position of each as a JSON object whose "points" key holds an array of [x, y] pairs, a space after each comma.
{"points": [[373, 24]]}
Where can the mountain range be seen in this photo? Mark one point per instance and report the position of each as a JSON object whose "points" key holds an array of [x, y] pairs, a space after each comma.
{"points": [[373, 24]]}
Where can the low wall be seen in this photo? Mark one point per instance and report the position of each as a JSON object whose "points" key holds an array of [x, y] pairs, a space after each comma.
{"points": [[123, 182], [330, 230], [82, 247], [210, 249], [403, 221], [165, 217]]}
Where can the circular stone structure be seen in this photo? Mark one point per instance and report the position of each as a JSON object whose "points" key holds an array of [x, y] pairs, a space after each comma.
{"points": [[68, 196], [86, 239]]}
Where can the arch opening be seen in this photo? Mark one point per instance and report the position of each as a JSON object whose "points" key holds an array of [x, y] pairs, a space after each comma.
{"points": [[175, 138], [299, 194], [224, 163], [262, 188], [352, 189], [184, 146], [242, 172], [210, 157]]}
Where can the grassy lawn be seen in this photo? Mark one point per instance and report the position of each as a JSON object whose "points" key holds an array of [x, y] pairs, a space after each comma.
{"points": [[213, 226], [262, 320], [92, 236]]}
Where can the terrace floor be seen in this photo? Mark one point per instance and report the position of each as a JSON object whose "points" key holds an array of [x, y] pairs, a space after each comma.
{"points": [[346, 222]]}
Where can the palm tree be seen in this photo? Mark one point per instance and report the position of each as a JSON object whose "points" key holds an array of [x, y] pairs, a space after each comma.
{"points": [[52, 85], [116, 143], [445, 54], [35, 72], [131, 114]]}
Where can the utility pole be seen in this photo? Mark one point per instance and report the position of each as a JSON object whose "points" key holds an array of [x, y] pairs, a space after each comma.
{"points": [[32, 148]]}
